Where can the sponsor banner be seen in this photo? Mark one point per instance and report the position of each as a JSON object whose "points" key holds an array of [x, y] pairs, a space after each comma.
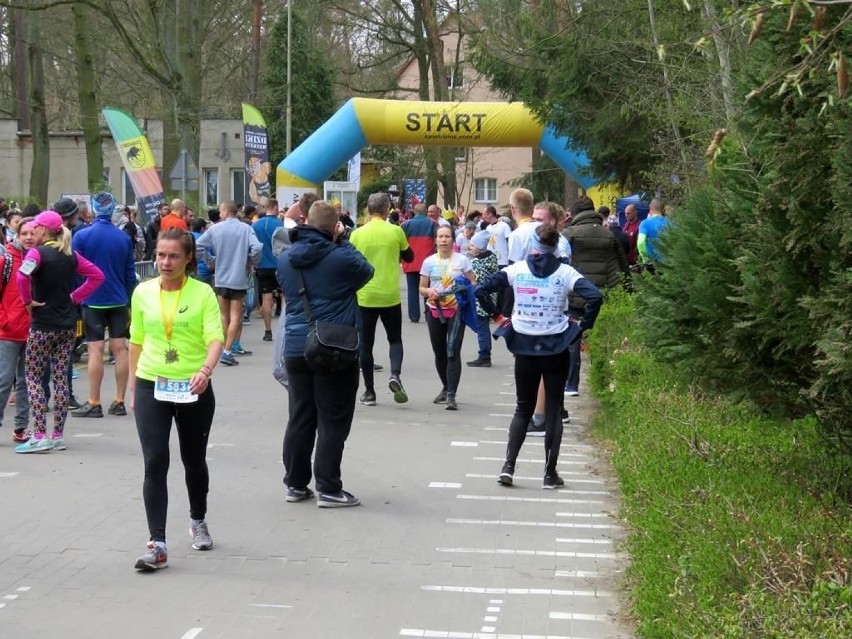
{"points": [[138, 160], [258, 167]]}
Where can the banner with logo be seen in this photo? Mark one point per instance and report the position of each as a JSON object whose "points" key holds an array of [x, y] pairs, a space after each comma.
{"points": [[258, 168], [138, 162]]}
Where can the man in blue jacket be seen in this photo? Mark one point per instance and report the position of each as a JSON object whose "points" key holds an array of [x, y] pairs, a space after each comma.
{"points": [[108, 308], [321, 405]]}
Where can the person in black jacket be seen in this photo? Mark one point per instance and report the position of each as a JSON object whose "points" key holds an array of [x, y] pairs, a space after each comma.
{"points": [[322, 405], [597, 254]]}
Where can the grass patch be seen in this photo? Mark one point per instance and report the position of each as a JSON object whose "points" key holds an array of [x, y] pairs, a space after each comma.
{"points": [[741, 525]]}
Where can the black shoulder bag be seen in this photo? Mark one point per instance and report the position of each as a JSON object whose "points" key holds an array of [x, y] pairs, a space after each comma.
{"points": [[329, 347]]}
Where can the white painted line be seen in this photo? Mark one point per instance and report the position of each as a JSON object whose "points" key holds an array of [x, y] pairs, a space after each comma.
{"points": [[578, 616], [584, 515], [492, 609], [498, 404], [500, 442], [220, 445], [2, 605], [529, 553], [507, 393], [500, 415], [496, 601], [572, 427], [24, 589], [465, 444], [455, 634], [528, 500], [490, 618], [269, 606], [562, 491], [192, 633], [7, 475], [562, 473], [582, 574], [539, 524], [547, 592], [11, 597], [527, 460], [444, 484], [583, 540], [488, 629], [87, 435]]}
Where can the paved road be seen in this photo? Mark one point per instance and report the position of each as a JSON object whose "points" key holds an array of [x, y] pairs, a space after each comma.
{"points": [[438, 549]]}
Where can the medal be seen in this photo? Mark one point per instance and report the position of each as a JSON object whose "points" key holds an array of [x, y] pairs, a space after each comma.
{"points": [[171, 355]]}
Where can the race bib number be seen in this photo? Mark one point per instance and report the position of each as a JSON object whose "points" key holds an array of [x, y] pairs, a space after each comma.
{"points": [[173, 390]]}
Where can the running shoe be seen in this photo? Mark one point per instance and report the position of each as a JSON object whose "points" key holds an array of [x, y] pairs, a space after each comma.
{"points": [[58, 441], [237, 349], [154, 559], [368, 398], [340, 499], [88, 410], [201, 539], [535, 431], [441, 398], [226, 359], [20, 436], [451, 402], [295, 495], [267, 336], [399, 394], [506, 476], [73, 403], [571, 391], [33, 445], [552, 482], [117, 408], [566, 419], [480, 362]]}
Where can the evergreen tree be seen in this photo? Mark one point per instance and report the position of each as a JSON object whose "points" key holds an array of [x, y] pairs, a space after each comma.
{"points": [[312, 85]]}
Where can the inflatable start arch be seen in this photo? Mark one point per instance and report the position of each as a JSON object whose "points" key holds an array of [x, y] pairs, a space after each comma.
{"points": [[363, 121]]}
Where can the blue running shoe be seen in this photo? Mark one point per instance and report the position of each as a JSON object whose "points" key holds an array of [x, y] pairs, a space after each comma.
{"points": [[237, 349], [227, 359], [43, 445]]}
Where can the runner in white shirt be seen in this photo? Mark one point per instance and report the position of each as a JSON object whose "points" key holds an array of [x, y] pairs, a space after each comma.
{"points": [[498, 243]]}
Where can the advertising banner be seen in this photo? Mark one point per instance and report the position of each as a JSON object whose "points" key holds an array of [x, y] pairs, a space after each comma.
{"points": [[258, 168]]}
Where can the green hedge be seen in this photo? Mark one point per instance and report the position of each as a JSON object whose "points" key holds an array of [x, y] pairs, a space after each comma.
{"points": [[739, 526]]}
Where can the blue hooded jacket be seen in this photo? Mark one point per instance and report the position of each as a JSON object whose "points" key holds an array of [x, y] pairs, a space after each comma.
{"points": [[110, 249], [332, 274]]}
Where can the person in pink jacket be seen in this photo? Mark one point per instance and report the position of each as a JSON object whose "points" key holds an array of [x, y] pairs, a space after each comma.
{"points": [[14, 328], [46, 286]]}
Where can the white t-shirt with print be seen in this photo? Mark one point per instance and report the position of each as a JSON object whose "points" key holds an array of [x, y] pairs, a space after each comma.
{"points": [[498, 242], [540, 301], [521, 241], [442, 272]]}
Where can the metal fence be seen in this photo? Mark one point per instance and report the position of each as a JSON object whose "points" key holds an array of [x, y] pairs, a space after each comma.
{"points": [[145, 270]]}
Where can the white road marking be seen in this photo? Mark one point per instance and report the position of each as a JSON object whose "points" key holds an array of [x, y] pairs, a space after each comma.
{"points": [[562, 473], [500, 415], [465, 444], [578, 616], [7, 475], [501, 442], [444, 484], [423, 632], [221, 445], [269, 606], [547, 592], [581, 574], [87, 435], [489, 618], [2, 605], [487, 629], [529, 500], [540, 524], [529, 553], [24, 589], [192, 633], [583, 540], [527, 460]]}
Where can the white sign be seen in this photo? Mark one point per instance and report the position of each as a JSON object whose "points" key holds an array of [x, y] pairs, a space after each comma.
{"points": [[288, 196]]}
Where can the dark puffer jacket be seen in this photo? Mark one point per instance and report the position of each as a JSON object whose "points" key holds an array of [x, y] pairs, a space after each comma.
{"points": [[332, 274], [595, 252]]}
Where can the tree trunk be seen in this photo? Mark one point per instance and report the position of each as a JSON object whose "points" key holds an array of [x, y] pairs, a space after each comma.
{"points": [[655, 36], [87, 92], [723, 52], [40, 170], [17, 33], [254, 59]]}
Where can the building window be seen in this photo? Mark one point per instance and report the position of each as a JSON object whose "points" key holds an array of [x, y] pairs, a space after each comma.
{"points": [[485, 190], [211, 187], [460, 154], [128, 197], [455, 77], [238, 186]]}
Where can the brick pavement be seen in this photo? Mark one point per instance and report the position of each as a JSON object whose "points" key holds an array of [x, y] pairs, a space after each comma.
{"points": [[438, 549]]}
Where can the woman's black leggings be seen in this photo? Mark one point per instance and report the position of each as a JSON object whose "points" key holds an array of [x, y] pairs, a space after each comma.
{"points": [[449, 368], [528, 371], [154, 425]]}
